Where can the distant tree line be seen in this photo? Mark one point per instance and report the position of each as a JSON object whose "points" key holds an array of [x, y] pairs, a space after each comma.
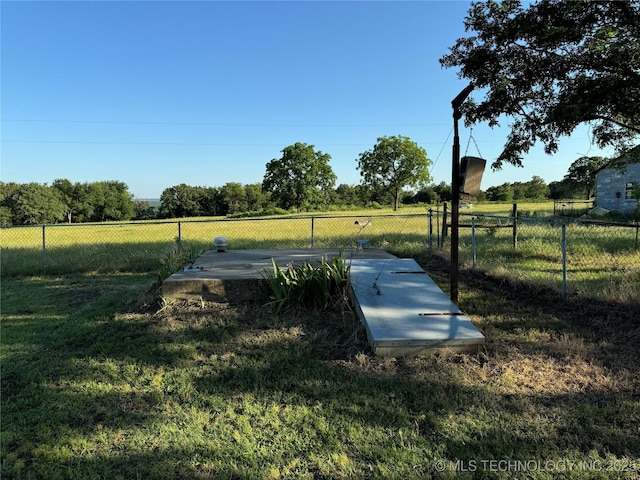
{"points": [[232, 198], [34, 203], [301, 180]]}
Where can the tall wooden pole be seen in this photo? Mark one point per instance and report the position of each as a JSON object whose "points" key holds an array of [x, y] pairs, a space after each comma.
{"points": [[456, 190]]}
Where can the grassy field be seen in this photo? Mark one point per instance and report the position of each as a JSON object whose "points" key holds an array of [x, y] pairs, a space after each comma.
{"points": [[100, 379], [601, 261], [126, 247]]}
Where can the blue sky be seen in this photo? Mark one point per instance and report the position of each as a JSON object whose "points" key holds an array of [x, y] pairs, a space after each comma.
{"points": [[160, 93]]}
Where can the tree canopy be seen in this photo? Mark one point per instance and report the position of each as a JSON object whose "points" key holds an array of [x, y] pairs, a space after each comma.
{"points": [[111, 200], [581, 175], [550, 67], [181, 201], [301, 178], [33, 204], [394, 163]]}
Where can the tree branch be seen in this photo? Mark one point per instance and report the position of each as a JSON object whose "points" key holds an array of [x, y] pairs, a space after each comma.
{"points": [[633, 128]]}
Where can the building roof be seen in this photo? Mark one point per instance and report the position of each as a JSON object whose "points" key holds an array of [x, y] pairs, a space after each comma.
{"points": [[629, 157]]}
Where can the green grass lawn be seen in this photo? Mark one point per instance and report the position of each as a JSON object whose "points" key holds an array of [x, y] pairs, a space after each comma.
{"points": [[101, 380]]}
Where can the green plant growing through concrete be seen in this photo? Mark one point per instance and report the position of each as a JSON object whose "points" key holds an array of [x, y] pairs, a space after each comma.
{"points": [[306, 284]]}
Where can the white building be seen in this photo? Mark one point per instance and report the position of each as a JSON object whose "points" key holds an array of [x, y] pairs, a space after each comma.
{"points": [[615, 185]]}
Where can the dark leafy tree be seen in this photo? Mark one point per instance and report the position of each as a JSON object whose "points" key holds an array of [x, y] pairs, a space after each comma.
{"points": [[211, 202], [563, 190], [348, 195], [84, 198], [6, 196], [180, 201], [35, 204], [426, 195], [302, 178], [5, 216], [7, 190], [394, 163], [142, 210], [96, 202], [67, 192], [256, 199], [78, 199], [409, 197], [519, 190], [501, 193], [376, 195], [111, 201], [551, 66], [481, 196], [443, 192], [537, 188], [581, 176], [235, 197], [534, 189]]}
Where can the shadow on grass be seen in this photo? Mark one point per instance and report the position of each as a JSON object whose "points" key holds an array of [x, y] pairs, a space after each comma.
{"points": [[141, 257], [93, 387], [104, 258]]}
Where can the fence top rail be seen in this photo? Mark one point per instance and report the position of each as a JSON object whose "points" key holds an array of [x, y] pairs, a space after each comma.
{"points": [[91, 224], [482, 215], [380, 215], [211, 220], [556, 220], [550, 220], [573, 201]]}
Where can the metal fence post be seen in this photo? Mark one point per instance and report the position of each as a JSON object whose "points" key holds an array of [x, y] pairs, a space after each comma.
{"points": [[444, 222], [179, 232], [564, 260], [313, 221], [515, 225], [430, 213], [473, 241], [438, 225], [44, 248]]}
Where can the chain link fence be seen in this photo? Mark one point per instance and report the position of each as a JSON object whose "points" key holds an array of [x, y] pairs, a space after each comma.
{"points": [[136, 247], [575, 257]]}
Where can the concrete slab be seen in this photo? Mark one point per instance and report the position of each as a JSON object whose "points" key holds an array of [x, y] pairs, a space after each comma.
{"points": [[405, 312], [237, 275]]}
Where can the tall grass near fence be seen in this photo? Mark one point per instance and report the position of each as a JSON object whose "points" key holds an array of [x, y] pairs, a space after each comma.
{"points": [[588, 260], [535, 259], [606, 267]]}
